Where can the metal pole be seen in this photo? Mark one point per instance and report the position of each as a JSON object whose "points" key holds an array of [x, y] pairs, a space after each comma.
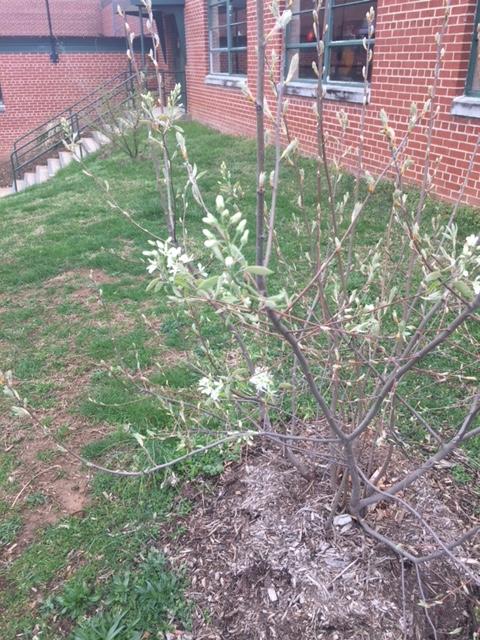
{"points": [[14, 172], [142, 37], [54, 54]]}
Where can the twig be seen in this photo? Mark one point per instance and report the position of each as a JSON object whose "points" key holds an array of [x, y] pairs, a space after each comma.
{"points": [[18, 496]]}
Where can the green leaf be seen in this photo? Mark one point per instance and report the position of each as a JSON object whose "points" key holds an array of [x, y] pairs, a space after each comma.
{"points": [[209, 283], [257, 270]]}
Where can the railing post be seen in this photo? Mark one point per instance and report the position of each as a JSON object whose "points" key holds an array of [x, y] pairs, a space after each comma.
{"points": [[14, 170], [162, 89], [142, 39]]}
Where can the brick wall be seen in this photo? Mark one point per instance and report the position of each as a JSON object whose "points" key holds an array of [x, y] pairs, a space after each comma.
{"points": [[34, 89], [403, 65], [69, 17], [84, 18]]}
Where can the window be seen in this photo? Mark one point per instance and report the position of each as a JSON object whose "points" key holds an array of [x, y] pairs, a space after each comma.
{"points": [[228, 36], [345, 55], [473, 79], [2, 105]]}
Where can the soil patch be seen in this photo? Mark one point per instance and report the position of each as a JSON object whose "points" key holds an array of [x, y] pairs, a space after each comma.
{"points": [[262, 565]]}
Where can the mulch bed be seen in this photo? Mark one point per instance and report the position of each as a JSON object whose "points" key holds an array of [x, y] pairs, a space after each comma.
{"points": [[262, 566]]}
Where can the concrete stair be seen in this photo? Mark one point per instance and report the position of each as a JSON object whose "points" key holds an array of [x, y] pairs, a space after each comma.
{"points": [[64, 158], [53, 165], [43, 172], [30, 178], [89, 145], [100, 138]]}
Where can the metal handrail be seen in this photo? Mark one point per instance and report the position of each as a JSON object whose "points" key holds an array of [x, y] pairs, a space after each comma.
{"points": [[35, 143], [80, 116], [71, 108]]}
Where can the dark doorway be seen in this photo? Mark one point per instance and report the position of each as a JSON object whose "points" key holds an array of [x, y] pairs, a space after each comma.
{"points": [[170, 24]]}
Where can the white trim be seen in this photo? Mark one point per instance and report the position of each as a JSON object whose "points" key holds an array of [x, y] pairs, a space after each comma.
{"points": [[333, 91], [466, 106], [225, 80]]}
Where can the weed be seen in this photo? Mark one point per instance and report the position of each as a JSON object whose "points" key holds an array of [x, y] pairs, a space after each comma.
{"points": [[9, 529], [76, 599]]}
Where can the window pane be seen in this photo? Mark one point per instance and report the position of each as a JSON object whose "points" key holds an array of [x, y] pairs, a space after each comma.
{"points": [[228, 31], [303, 5], [239, 62], [300, 29], [218, 38], [306, 57], [218, 15], [238, 10], [219, 62], [239, 34], [476, 76], [350, 23], [346, 63]]}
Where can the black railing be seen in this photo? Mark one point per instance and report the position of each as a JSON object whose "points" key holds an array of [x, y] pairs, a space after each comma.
{"points": [[95, 107]]}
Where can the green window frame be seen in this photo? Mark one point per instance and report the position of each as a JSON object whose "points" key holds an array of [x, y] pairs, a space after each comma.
{"points": [[472, 87], [227, 36], [344, 56]]}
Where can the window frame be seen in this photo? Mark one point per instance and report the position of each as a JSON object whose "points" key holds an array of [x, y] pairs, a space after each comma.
{"points": [[229, 49], [329, 44], [474, 60]]}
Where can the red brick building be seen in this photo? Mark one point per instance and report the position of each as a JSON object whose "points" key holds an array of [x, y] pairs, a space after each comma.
{"points": [[47, 62], [220, 55], [209, 45]]}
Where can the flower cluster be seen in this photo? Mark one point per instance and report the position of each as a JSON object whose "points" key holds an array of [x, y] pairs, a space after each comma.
{"points": [[211, 388], [263, 382], [167, 259], [453, 265]]}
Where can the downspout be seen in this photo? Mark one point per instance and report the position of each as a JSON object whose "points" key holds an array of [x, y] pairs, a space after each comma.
{"points": [[142, 38], [54, 54]]}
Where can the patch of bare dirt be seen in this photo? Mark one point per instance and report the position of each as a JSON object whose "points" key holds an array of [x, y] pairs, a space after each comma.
{"points": [[44, 473], [87, 283], [49, 487], [262, 565], [48, 484]]}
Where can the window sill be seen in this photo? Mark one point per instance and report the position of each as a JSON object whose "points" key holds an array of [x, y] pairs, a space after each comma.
{"points": [[466, 106], [224, 80], [333, 91]]}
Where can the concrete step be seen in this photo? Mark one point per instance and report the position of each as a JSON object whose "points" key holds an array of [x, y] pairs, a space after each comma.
{"points": [[41, 173], [21, 185], [89, 145], [100, 138], [113, 128], [30, 178], [78, 151], [53, 165], [5, 191], [65, 158]]}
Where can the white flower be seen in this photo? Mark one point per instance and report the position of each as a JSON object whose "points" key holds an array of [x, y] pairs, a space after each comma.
{"points": [[170, 257], [229, 261], [201, 270], [152, 265], [262, 380], [210, 387]]}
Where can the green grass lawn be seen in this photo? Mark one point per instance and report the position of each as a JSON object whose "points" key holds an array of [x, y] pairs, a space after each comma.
{"points": [[98, 571]]}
